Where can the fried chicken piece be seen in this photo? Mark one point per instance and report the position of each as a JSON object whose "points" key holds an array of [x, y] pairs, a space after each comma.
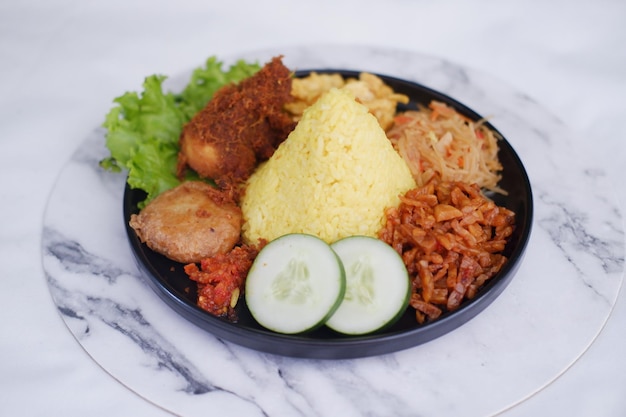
{"points": [[241, 126], [190, 222]]}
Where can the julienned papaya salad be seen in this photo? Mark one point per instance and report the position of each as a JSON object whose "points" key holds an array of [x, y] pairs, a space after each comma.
{"points": [[291, 193]]}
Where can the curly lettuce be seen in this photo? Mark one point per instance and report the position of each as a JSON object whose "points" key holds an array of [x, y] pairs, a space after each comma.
{"points": [[143, 128]]}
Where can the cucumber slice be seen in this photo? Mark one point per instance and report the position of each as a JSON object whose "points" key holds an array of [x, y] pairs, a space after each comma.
{"points": [[378, 286], [295, 284]]}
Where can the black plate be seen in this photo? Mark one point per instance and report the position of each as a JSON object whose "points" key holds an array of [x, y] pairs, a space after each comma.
{"points": [[171, 283]]}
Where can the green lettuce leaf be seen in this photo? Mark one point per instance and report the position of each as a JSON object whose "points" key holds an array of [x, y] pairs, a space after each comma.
{"points": [[154, 114], [143, 129], [207, 80], [152, 166]]}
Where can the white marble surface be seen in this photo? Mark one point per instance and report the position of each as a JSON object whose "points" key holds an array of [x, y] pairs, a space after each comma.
{"points": [[63, 62]]}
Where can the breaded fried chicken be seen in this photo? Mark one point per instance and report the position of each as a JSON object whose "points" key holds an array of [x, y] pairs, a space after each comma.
{"points": [[241, 126], [190, 222]]}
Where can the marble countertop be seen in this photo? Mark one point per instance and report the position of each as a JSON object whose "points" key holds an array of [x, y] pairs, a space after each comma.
{"points": [[83, 335]]}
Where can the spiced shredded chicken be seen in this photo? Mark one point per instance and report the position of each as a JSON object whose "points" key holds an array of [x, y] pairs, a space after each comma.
{"points": [[450, 237]]}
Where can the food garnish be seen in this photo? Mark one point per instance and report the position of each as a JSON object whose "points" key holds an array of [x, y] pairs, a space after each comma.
{"points": [[295, 284], [143, 130], [377, 286], [355, 286]]}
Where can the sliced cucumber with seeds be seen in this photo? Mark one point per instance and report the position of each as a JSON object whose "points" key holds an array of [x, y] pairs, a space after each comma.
{"points": [[378, 286], [295, 284]]}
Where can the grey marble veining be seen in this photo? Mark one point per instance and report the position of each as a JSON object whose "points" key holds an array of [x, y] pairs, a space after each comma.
{"points": [[547, 317]]}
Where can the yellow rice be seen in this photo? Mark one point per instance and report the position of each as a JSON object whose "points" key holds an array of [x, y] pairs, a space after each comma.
{"points": [[333, 177]]}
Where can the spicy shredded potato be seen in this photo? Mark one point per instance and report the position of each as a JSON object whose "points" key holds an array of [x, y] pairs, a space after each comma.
{"points": [[439, 141], [450, 237]]}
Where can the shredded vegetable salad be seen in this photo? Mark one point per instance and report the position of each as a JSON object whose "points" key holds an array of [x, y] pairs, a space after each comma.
{"points": [[439, 141]]}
